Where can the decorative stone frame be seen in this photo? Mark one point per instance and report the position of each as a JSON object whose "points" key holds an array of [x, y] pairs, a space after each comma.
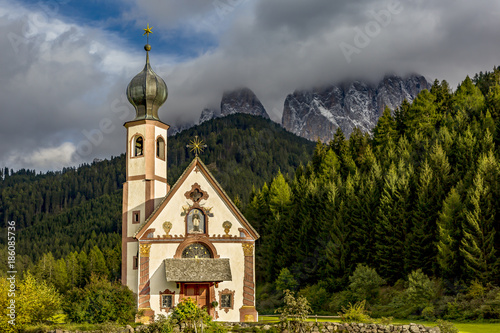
{"points": [[161, 154], [133, 140], [205, 220], [226, 292], [167, 292], [196, 187]]}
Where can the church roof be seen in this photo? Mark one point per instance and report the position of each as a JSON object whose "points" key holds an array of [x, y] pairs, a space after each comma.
{"points": [[197, 270], [203, 169]]}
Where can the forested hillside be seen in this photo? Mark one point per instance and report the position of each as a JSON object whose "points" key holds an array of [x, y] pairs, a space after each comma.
{"points": [[423, 194], [79, 208]]}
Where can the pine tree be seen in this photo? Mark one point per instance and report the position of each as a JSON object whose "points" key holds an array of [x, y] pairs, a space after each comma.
{"points": [[393, 223], [385, 130], [449, 236], [477, 245], [468, 98]]}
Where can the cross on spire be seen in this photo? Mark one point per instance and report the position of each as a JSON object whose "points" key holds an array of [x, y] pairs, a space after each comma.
{"points": [[147, 31], [196, 145]]}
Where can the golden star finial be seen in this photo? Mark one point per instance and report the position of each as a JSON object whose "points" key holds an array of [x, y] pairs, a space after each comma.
{"points": [[196, 145], [147, 31]]}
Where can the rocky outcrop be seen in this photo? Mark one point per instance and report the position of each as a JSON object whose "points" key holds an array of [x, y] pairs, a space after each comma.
{"points": [[236, 101], [317, 113]]}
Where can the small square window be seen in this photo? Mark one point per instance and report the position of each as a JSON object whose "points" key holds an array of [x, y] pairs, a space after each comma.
{"points": [[166, 301], [136, 216], [226, 301]]}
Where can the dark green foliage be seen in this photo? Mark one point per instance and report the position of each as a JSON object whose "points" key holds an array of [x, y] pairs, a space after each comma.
{"points": [[422, 194], [100, 301]]}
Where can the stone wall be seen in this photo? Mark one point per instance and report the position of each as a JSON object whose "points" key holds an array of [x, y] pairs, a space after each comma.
{"points": [[328, 327], [320, 327]]}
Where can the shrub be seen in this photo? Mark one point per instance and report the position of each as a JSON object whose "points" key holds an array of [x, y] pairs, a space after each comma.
{"points": [[188, 312], [355, 313], [100, 301], [446, 327], [365, 283], [318, 297], [420, 289], [428, 312], [35, 301], [294, 312], [385, 320]]}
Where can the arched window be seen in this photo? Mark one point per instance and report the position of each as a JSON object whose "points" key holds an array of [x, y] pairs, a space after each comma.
{"points": [[196, 250], [139, 146], [160, 148]]}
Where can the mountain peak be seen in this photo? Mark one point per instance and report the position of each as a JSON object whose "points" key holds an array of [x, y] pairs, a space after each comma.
{"points": [[242, 100], [317, 113]]}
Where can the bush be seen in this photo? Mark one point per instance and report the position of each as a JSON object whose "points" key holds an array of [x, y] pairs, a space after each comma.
{"points": [[294, 312], [428, 312], [188, 312], [36, 301], [446, 327], [318, 297], [365, 283], [355, 313], [100, 301], [420, 291]]}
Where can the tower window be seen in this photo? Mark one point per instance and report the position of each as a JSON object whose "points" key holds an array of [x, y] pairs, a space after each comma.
{"points": [[136, 216], [139, 146], [160, 148]]}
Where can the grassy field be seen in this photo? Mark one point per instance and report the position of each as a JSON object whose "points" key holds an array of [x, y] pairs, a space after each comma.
{"points": [[463, 327]]}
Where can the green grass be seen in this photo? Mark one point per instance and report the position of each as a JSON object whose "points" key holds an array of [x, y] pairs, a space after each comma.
{"points": [[463, 327]]}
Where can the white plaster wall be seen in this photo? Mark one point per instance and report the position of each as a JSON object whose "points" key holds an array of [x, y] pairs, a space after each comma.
{"points": [[136, 201], [233, 251], [173, 209], [132, 275], [157, 254]]}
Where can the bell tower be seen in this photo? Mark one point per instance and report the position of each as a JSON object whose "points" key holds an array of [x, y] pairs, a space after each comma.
{"points": [[146, 162]]}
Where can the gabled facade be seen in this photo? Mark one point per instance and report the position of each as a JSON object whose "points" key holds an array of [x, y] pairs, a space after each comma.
{"points": [[189, 240]]}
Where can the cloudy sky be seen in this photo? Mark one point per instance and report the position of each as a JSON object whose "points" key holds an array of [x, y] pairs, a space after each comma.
{"points": [[65, 64]]}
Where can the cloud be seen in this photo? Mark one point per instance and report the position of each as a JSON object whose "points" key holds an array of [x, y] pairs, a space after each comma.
{"points": [[49, 158], [62, 79]]}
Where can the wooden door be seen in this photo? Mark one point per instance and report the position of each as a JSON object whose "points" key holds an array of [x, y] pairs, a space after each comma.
{"points": [[198, 293]]}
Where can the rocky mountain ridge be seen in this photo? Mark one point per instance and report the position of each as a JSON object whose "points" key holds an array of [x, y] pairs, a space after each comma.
{"points": [[317, 113]]}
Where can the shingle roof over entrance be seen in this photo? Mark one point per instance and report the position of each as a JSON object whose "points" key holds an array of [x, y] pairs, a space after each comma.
{"points": [[197, 270]]}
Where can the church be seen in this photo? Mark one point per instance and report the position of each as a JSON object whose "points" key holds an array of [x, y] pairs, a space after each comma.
{"points": [[184, 240]]}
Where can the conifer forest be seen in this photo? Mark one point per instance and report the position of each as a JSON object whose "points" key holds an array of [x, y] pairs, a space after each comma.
{"points": [[406, 218]]}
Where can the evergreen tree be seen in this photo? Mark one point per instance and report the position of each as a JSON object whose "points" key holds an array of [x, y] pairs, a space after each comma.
{"points": [[477, 245], [449, 236], [468, 98], [385, 130]]}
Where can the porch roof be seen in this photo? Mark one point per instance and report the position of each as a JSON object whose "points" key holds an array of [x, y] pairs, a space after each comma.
{"points": [[197, 270]]}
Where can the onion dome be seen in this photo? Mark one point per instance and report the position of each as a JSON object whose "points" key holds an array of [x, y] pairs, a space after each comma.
{"points": [[147, 91]]}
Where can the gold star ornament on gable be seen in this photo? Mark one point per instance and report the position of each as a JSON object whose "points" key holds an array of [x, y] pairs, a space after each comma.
{"points": [[196, 145]]}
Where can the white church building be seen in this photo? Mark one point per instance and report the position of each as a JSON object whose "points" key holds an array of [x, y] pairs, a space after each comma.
{"points": [[184, 240]]}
